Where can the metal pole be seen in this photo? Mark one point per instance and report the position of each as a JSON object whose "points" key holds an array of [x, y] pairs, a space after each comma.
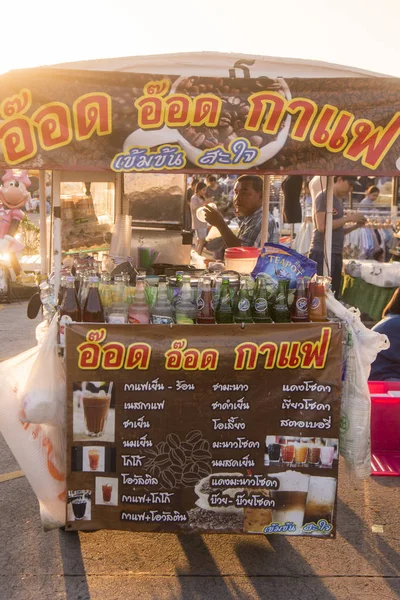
{"points": [[118, 196], [395, 191], [328, 227], [265, 210], [56, 231], [43, 223]]}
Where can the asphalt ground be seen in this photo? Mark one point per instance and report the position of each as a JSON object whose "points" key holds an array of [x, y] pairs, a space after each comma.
{"points": [[362, 563]]}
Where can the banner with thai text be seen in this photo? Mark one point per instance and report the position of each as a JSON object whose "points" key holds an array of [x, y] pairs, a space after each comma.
{"points": [[129, 122]]}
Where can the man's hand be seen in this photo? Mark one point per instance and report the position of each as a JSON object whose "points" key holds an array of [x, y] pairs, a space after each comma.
{"points": [[356, 217], [213, 217]]}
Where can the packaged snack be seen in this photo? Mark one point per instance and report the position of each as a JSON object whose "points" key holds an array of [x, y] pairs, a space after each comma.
{"points": [[278, 262]]}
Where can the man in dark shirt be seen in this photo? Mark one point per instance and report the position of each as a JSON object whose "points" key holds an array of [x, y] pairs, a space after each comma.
{"points": [[341, 188]]}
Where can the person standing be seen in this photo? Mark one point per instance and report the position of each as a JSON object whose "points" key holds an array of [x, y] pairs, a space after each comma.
{"points": [[196, 201], [247, 201], [342, 185], [386, 366], [367, 203]]}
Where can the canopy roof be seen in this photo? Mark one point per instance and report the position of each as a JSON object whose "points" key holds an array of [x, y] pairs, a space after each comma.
{"points": [[215, 63], [201, 112]]}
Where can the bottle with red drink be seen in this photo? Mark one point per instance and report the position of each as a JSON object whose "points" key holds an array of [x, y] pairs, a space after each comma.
{"points": [[93, 311], [300, 306], [70, 311], [205, 311]]}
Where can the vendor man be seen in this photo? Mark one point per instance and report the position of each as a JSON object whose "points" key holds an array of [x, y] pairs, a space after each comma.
{"points": [[247, 201], [341, 188]]}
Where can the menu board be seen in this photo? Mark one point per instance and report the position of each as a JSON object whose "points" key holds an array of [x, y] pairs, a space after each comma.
{"points": [[204, 428]]}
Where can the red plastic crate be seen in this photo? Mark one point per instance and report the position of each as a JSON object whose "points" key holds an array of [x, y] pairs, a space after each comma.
{"points": [[385, 428]]}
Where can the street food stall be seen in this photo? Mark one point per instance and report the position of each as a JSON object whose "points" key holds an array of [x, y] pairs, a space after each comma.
{"points": [[226, 419]]}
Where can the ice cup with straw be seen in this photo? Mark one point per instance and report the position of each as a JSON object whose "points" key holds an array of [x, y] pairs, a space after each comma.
{"points": [[96, 406]]}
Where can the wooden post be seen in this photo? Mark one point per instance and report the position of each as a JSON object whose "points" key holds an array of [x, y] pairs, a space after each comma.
{"points": [[43, 223], [328, 227], [265, 210]]}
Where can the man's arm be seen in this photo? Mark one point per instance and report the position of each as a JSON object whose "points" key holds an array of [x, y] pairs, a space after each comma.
{"points": [[213, 217], [320, 217]]}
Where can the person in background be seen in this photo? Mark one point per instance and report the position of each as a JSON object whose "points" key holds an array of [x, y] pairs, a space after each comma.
{"points": [[187, 212], [387, 364], [247, 201], [196, 201], [214, 190], [367, 203], [191, 189], [342, 185]]}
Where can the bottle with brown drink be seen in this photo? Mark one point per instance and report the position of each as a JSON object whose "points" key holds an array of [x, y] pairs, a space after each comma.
{"points": [[70, 311], [318, 311], [205, 311], [93, 311], [300, 306]]}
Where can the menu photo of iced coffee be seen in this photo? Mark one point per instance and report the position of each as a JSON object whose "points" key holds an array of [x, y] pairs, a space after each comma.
{"points": [[93, 411], [79, 505], [106, 491]]}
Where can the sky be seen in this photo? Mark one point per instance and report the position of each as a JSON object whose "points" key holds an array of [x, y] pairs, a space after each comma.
{"points": [[358, 33]]}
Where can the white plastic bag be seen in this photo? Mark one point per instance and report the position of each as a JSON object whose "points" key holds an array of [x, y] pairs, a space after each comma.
{"points": [[43, 400], [362, 347], [40, 450]]}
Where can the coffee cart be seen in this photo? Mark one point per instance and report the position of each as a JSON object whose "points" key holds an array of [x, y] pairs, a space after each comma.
{"points": [[189, 419]]}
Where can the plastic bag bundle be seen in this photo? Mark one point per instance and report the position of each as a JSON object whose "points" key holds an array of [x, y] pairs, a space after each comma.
{"points": [[44, 395], [39, 449], [302, 241], [361, 349]]}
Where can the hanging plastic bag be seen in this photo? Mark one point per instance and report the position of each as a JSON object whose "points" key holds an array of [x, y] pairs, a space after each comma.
{"points": [[39, 449], [43, 400], [361, 349]]}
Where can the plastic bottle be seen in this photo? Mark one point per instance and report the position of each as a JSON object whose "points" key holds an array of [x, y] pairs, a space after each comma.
{"points": [[224, 312], [205, 311], [300, 307], [242, 308], [162, 312], [281, 307], [260, 308], [185, 310], [70, 311], [93, 311], [139, 311]]}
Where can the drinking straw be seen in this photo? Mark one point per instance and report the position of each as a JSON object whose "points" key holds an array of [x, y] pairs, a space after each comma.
{"points": [[110, 388]]}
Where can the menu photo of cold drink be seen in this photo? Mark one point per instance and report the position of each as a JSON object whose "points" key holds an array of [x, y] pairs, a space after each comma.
{"points": [[93, 412]]}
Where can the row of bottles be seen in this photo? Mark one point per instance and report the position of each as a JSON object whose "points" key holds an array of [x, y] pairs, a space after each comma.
{"points": [[242, 307]]}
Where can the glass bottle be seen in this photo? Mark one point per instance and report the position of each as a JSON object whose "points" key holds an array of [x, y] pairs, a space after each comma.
{"points": [[70, 311], [162, 312], [93, 311], [281, 307], [205, 311], [242, 308], [260, 308], [119, 288], [300, 306], [139, 310], [224, 312], [185, 310], [318, 311]]}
